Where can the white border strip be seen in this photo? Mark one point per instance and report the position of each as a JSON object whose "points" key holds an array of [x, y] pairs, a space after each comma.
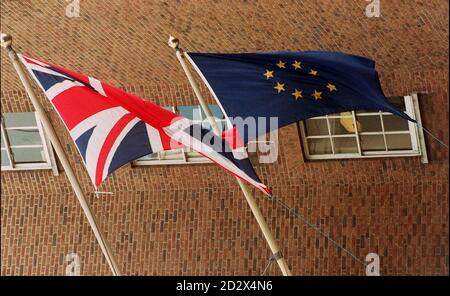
{"points": [[200, 73]]}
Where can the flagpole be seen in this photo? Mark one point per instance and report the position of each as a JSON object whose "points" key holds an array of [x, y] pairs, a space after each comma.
{"points": [[6, 41], [276, 252]]}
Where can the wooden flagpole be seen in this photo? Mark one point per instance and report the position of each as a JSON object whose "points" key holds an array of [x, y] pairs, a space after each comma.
{"points": [[276, 252], [6, 41]]}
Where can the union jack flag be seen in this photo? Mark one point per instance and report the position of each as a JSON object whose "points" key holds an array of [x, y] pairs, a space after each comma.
{"points": [[111, 127]]}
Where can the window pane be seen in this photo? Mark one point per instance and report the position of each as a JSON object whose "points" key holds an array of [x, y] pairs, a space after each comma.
{"points": [[319, 146], [362, 111], [24, 137], [370, 123], [3, 144], [215, 109], [28, 155], [342, 126], [172, 154], [221, 125], [345, 145], [207, 125], [149, 156], [395, 123], [398, 102], [18, 119], [220, 118], [372, 143], [316, 127], [191, 112], [193, 154], [336, 114], [399, 142], [5, 160]]}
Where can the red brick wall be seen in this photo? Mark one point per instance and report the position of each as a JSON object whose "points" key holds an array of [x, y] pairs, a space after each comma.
{"points": [[193, 219]]}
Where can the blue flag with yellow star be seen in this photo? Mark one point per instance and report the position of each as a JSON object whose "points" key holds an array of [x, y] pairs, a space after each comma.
{"points": [[290, 86]]}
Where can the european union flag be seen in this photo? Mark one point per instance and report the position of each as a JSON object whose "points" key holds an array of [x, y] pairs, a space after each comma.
{"points": [[291, 86]]}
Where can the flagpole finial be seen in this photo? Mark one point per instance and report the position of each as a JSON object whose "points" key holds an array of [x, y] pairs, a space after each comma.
{"points": [[6, 40], [173, 42]]}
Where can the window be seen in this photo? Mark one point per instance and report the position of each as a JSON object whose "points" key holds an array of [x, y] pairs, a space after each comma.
{"points": [[23, 143], [378, 134], [185, 155]]}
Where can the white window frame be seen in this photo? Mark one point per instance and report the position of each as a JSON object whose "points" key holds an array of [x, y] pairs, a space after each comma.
{"points": [[50, 161], [185, 157], [417, 139]]}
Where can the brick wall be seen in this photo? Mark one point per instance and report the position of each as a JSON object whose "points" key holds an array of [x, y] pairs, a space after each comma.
{"points": [[166, 220]]}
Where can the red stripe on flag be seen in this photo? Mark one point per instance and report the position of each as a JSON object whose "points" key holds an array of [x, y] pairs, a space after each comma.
{"points": [[27, 59], [78, 103], [233, 138], [107, 145]]}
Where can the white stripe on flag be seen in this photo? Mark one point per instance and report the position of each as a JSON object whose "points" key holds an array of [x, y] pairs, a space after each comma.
{"points": [[59, 87], [116, 144], [97, 85], [103, 122], [154, 138]]}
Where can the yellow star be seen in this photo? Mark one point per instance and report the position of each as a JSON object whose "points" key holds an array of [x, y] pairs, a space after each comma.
{"points": [[281, 64], [317, 95], [314, 72], [297, 94], [279, 87], [268, 74], [331, 87], [297, 65]]}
